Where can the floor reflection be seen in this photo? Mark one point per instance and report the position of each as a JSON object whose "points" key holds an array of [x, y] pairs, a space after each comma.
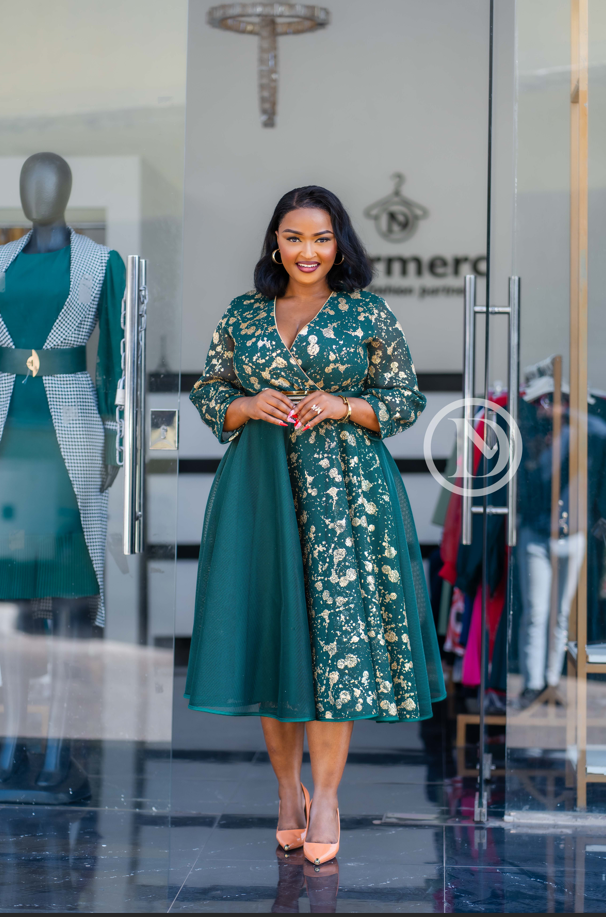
{"points": [[94, 861], [408, 840], [48, 857], [69, 859], [297, 875]]}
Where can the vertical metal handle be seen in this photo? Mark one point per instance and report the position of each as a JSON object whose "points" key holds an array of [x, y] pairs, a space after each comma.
{"points": [[513, 386], [469, 356], [140, 463], [134, 402]]}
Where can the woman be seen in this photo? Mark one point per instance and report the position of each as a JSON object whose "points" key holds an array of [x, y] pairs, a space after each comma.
{"points": [[311, 607]]}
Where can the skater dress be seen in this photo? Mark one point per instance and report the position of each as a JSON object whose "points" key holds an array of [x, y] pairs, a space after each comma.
{"points": [[311, 600]]}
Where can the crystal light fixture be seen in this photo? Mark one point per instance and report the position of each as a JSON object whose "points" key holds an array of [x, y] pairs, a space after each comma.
{"points": [[268, 20]]}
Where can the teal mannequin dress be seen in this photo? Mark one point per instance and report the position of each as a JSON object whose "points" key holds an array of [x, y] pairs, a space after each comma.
{"points": [[43, 552], [311, 600]]}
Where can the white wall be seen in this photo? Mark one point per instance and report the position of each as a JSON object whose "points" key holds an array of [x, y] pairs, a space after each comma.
{"points": [[389, 86]]}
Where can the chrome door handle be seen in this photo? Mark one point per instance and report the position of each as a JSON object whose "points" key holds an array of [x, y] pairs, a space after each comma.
{"points": [[131, 391], [469, 358], [512, 310], [513, 388]]}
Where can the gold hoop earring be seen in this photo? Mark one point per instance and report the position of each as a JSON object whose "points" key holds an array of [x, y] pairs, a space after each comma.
{"points": [[339, 263], [273, 257]]}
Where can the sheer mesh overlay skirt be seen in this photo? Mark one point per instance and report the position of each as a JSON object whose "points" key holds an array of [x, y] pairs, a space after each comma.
{"points": [[331, 632]]}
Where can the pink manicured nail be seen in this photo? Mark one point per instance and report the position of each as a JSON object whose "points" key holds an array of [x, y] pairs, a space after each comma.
{"points": [[283, 424], [307, 427]]}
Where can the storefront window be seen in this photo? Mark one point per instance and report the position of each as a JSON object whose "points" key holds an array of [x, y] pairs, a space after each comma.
{"points": [[92, 143]]}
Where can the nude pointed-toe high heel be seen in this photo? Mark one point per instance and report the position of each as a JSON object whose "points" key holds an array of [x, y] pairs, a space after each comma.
{"points": [[322, 853], [295, 837]]}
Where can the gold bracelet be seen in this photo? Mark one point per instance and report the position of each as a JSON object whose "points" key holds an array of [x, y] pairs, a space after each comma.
{"points": [[347, 404]]}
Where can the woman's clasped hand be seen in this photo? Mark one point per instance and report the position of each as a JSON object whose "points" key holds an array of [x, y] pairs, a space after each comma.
{"points": [[317, 407], [275, 407], [269, 405]]}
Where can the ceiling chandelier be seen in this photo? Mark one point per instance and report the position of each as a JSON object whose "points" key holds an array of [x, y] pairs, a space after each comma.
{"points": [[268, 20]]}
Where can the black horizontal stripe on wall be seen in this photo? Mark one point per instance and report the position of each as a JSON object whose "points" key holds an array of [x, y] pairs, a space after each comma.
{"points": [[210, 465], [428, 382], [418, 465], [162, 466], [191, 551], [160, 551], [440, 382], [188, 551], [169, 382], [198, 466]]}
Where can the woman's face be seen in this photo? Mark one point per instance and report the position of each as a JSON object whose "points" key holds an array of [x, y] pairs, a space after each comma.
{"points": [[307, 244]]}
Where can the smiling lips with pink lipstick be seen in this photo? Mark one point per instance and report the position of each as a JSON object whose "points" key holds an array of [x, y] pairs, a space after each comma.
{"points": [[308, 267]]}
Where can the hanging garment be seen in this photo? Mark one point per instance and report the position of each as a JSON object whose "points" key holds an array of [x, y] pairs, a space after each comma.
{"points": [[451, 537], [308, 535], [59, 413], [473, 648], [435, 584], [470, 557], [452, 643], [463, 565]]}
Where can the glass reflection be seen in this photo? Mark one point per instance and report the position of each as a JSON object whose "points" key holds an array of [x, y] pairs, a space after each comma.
{"points": [[62, 849], [556, 737], [57, 461], [295, 874], [39, 660]]}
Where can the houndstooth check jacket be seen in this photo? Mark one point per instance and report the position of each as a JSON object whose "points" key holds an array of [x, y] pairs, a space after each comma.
{"points": [[72, 398]]}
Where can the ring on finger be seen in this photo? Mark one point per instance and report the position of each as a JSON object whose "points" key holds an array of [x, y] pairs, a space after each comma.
{"points": [[315, 408]]}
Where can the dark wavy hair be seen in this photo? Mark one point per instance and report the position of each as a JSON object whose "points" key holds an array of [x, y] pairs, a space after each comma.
{"points": [[354, 273]]}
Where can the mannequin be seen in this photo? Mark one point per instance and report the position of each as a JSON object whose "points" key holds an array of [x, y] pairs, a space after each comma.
{"points": [[45, 186], [62, 550]]}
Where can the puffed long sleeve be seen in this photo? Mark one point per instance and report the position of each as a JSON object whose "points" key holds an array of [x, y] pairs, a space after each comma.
{"points": [[219, 386], [109, 366], [391, 388]]}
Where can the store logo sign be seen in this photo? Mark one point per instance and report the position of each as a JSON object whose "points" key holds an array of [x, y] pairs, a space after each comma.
{"points": [[501, 447], [396, 216]]}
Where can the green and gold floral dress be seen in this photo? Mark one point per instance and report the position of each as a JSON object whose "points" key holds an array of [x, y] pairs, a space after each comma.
{"points": [[311, 599]]}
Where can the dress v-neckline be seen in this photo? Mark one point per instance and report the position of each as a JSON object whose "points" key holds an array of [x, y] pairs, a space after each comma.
{"points": [[300, 331]]}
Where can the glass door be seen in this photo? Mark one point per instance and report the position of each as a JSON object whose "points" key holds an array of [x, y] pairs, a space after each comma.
{"points": [[538, 526], [543, 535], [556, 738], [92, 143]]}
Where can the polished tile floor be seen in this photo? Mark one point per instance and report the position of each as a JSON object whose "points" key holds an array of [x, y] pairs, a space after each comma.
{"points": [[408, 840]]}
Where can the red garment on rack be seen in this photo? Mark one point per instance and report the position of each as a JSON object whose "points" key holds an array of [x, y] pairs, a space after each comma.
{"points": [[451, 536], [494, 609]]}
